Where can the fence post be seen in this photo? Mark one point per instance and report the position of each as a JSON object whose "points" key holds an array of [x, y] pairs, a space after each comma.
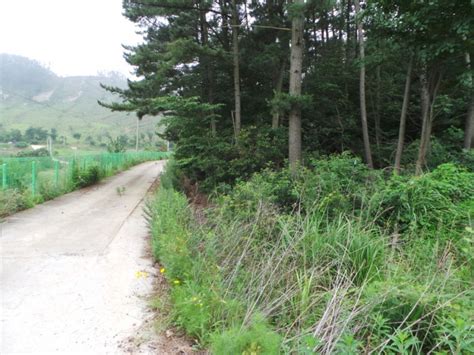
{"points": [[56, 173], [4, 176], [33, 178]]}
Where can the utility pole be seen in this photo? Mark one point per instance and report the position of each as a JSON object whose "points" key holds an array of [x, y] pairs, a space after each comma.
{"points": [[49, 143]]}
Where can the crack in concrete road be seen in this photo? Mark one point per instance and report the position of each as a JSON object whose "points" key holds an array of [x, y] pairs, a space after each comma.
{"points": [[68, 280]]}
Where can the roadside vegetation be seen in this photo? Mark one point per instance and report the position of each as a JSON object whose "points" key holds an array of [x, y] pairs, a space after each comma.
{"points": [[339, 259], [325, 148], [25, 182]]}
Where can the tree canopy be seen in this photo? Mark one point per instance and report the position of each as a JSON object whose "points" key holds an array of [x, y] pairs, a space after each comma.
{"points": [[222, 72]]}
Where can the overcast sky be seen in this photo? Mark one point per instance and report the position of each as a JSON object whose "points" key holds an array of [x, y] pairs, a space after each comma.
{"points": [[72, 37]]}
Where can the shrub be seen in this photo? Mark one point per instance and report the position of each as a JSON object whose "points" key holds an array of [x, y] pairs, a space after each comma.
{"points": [[171, 178], [193, 308], [48, 190], [257, 338], [170, 217], [444, 149], [437, 204], [85, 177], [21, 144], [212, 161], [13, 200], [339, 184], [333, 185], [416, 316], [309, 262], [267, 187], [42, 152]]}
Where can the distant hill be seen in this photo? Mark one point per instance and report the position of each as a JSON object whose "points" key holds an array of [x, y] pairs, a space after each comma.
{"points": [[32, 95]]}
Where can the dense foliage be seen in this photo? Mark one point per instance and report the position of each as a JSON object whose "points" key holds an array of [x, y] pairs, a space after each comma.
{"points": [[200, 59], [342, 260], [271, 106]]}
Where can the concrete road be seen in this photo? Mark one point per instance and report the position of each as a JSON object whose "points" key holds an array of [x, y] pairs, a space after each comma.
{"points": [[73, 270]]}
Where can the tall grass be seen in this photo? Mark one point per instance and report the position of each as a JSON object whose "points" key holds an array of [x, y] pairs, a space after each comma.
{"points": [[318, 279]]}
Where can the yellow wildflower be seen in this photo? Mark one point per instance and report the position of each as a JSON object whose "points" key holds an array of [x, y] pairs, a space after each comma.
{"points": [[176, 282], [140, 274], [162, 270]]}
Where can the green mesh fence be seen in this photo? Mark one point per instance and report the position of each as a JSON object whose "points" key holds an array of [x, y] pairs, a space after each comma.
{"points": [[53, 176]]}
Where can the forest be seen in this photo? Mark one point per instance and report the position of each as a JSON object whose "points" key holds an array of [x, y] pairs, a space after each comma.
{"points": [[321, 191]]}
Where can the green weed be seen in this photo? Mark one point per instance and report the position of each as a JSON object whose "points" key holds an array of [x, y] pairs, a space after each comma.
{"points": [[269, 272], [257, 338]]}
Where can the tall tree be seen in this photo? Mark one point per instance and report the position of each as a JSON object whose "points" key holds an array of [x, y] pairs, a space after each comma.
{"points": [[403, 117], [208, 70], [469, 125], [378, 129], [296, 68], [430, 80], [278, 89], [235, 57], [363, 106], [198, 62]]}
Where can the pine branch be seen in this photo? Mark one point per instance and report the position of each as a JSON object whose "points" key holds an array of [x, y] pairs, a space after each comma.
{"points": [[181, 7]]}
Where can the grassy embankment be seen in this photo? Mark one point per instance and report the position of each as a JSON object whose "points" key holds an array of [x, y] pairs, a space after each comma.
{"points": [[337, 260]]}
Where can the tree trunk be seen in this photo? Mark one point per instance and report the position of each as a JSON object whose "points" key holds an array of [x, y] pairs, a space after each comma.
{"points": [[469, 128], [235, 55], [349, 55], [363, 107], [225, 25], [378, 132], [278, 88], [211, 99], [207, 75], [429, 88], [403, 118], [296, 67]]}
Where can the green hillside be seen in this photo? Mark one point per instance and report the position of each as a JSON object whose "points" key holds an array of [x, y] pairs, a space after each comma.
{"points": [[33, 96]]}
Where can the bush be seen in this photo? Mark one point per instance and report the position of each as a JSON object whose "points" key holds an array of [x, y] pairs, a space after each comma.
{"points": [[257, 338], [213, 161], [42, 152], [443, 149], [21, 145], [48, 190], [85, 177], [192, 308], [172, 177], [268, 187], [13, 200], [332, 259], [438, 204], [333, 185]]}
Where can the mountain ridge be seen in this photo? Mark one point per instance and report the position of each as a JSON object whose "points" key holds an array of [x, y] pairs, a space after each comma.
{"points": [[32, 95]]}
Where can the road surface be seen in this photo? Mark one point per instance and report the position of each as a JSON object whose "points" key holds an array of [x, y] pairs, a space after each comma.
{"points": [[74, 271]]}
